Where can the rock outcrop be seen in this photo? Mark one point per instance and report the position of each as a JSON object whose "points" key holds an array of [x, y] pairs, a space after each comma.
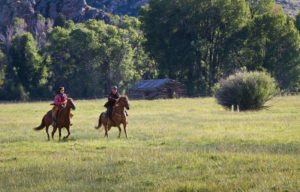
{"points": [[77, 10], [131, 7], [82, 10], [291, 7], [119, 7]]}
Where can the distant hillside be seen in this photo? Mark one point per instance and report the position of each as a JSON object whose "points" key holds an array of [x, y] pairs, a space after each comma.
{"points": [[77, 10], [291, 7], [119, 7], [131, 7], [82, 10]]}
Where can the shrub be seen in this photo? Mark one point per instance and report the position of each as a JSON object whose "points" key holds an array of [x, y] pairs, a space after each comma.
{"points": [[249, 90]]}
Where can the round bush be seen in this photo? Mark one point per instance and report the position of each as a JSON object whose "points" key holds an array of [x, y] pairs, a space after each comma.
{"points": [[248, 90]]}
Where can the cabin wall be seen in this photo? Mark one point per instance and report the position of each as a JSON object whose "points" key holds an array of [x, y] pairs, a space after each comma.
{"points": [[167, 91], [170, 91]]}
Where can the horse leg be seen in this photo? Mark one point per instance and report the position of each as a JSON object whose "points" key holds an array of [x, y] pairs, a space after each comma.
{"points": [[53, 131], [119, 131], [106, 130], [69, 133], [124, 126], [47, 127], [59, 131]]}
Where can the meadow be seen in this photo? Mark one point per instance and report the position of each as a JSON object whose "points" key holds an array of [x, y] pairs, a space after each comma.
{"points": [[181, 145]]}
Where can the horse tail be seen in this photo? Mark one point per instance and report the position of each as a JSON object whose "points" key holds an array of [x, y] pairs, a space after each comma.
{"points": [[99, 121], [42, 125]]}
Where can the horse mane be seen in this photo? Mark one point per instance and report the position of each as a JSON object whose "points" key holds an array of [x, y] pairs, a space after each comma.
{"points": [[121, 97]]}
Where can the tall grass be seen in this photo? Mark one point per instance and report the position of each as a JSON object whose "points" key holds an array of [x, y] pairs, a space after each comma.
{"points": [[173, 145]]}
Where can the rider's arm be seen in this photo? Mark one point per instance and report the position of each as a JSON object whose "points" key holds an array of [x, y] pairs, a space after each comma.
{"points": [[110, 98], [56, 100]]}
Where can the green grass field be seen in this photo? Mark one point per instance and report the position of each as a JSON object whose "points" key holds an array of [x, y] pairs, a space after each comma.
{"points": [[173, 145]]}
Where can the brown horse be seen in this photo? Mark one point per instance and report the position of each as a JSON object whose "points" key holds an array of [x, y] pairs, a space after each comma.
{"points": [[118, 117], [63, 120]]}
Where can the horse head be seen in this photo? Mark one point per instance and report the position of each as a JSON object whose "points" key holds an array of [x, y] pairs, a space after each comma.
{"points": [[70, 104], [123, 100]]}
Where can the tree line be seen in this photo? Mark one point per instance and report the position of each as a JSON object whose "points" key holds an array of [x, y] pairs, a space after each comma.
{"points": [[87, 58], [201, 42], [195, 42]]}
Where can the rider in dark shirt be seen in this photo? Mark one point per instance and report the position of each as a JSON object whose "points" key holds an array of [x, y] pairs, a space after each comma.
{"points": [[112, 99]]}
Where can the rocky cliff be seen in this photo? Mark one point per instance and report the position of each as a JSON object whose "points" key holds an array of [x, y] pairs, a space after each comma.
{"points": [[291, 7], [131, 7], [77, 10], [119, 7], [81, 10]]}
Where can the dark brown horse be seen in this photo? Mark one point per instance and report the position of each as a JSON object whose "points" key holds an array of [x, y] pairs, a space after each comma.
{"points": [[63, 120], [118, 117]]}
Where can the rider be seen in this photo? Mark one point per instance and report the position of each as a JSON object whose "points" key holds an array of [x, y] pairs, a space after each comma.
{"points": [[112, 99], [60, 101]]}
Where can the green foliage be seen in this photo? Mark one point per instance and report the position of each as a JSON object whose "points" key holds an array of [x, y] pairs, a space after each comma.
{"points": [[29, 70], [189, 38], [248, 90], [195, 42], [261, 7], [60, 20], [199, 42], [93, 55], [19, 25], [2, 68], [24, 72], [14, 91], [272, 43], [96, 56]]}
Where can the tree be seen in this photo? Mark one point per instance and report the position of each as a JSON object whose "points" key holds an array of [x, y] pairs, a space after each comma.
{"points": [[28, 68], [188, 38], [96, 56], [145, 66], [2, 68], [260, 7], [272, 43], [199, 42]]}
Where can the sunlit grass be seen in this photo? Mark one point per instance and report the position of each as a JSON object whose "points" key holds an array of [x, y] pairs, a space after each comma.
{"points": [[173, 145]]}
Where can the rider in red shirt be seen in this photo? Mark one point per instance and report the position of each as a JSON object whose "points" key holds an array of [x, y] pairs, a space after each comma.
{"points": [[60, 101]]}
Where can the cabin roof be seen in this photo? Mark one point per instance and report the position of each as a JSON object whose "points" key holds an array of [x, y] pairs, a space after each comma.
{"points": [[150, 85]]}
